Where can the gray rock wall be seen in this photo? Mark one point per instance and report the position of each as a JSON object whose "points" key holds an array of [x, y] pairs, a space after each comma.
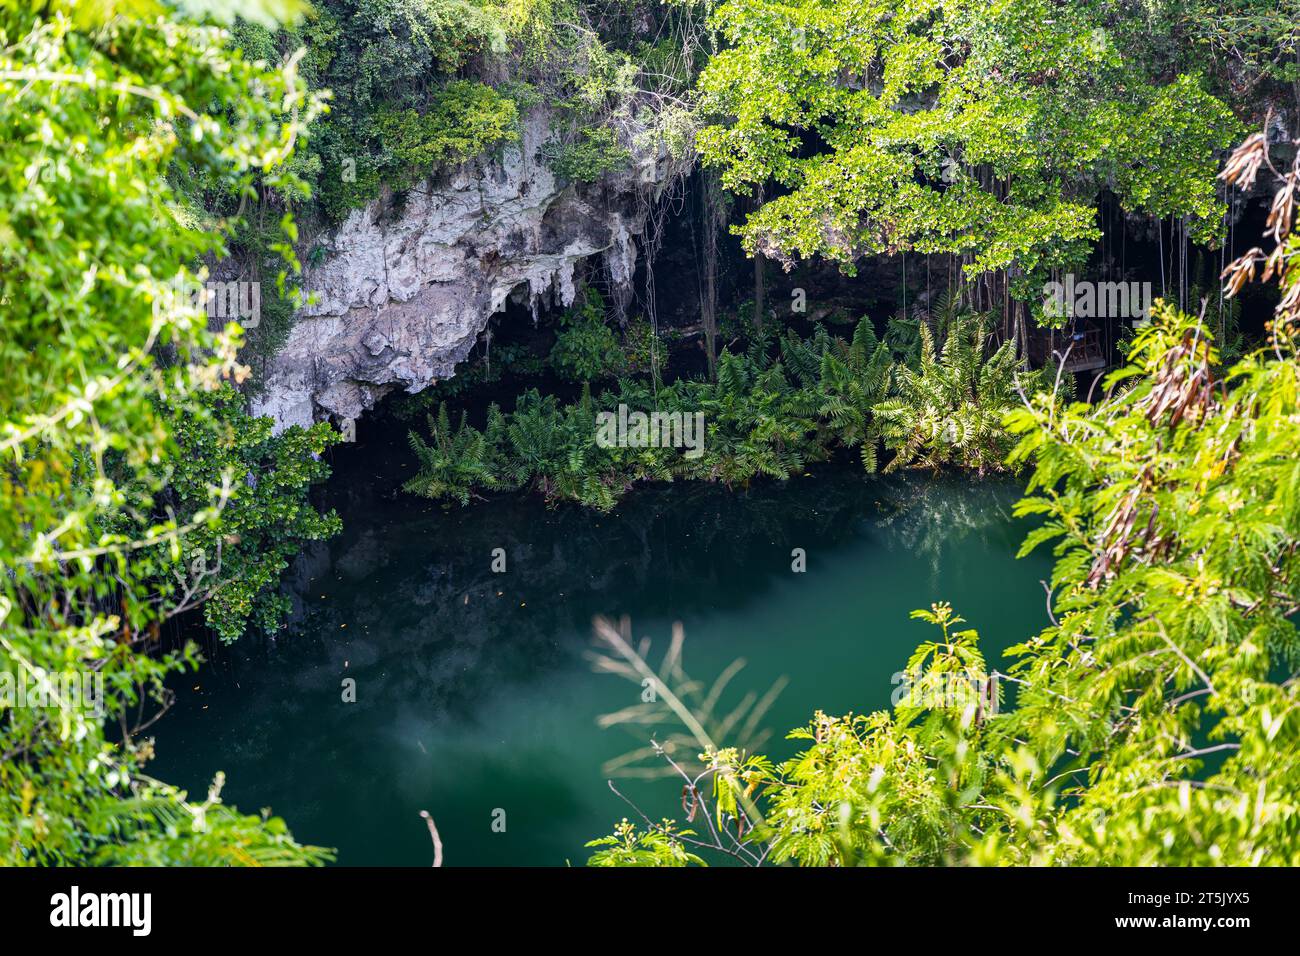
{"points": [[402, 294]]}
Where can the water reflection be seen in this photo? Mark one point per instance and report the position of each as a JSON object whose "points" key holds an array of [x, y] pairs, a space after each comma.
{"points": [[472, 691]]}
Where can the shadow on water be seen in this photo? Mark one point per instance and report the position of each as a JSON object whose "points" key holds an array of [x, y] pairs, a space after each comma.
{"points": [[472, 692]]}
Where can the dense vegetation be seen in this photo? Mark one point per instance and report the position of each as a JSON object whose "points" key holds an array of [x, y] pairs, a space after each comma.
{"points": [[1156, 718], [1154, 722], [418, 88], [132, 483], [772, 410]]}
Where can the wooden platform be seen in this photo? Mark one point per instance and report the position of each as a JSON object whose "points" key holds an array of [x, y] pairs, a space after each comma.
{"points": [[1083, 349]]}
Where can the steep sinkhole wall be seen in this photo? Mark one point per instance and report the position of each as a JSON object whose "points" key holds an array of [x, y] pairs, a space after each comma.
{"points": [[404, 291]]}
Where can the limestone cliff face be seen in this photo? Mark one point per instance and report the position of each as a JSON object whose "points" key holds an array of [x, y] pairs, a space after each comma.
{"points": [[403, 293]]}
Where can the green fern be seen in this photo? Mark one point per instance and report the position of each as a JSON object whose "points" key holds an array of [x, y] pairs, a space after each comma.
{"points": [[453, 463], [947, 408]]}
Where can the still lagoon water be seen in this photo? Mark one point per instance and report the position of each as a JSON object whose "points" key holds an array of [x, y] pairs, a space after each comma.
{"points": [[475, 697]]}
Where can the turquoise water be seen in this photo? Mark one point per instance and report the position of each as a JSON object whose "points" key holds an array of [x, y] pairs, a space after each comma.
{"points": [[474, 695]]}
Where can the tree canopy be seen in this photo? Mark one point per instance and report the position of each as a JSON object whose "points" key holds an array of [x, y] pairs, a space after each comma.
{"points": [[982, 130]]}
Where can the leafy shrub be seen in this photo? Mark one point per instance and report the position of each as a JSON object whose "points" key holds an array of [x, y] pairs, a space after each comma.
{"points": [[644, 349], [586, 348], [233, 564], [107, 413], [454, 462], [592, 154], [465, 119]]}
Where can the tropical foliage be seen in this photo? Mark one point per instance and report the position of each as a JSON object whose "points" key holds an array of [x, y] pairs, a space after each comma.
{"points": [[453, 462], [948, 408], [111, 380], [774, 409], [586, 349], [403, 107], [232, 564], [1157, 717], [1155, 722], [985, 131], [152, 142]]}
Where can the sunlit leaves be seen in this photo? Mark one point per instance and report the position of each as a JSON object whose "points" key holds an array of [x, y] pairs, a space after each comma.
{"points": [[102, 113], [984, 130]]}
